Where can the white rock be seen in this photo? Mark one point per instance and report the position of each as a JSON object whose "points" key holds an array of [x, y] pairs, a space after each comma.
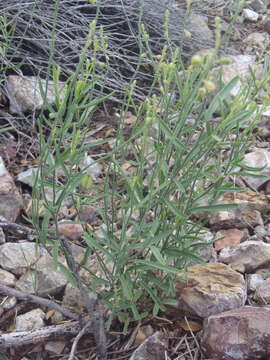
{"points": [[91, 167], [17, 257], [250, 15], [30, 320], [254, 280], [240, 65], [45, 279], [7, 277], [27, 177], [9, 303], [24, 93], [259, 158]]}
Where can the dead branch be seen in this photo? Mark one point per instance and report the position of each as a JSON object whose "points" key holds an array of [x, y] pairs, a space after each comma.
{"points": [[78, 337], [18, 229], [6, 290], [21, 338]]}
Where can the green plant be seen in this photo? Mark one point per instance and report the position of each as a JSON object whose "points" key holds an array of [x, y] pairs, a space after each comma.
{"points": [[177, 152]]}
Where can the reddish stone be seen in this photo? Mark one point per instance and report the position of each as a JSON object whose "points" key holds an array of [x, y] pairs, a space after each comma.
{"points": [[240, 334], [231, 237]]}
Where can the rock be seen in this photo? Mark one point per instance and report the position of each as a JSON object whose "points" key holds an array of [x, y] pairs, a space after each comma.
{"points": [[240, 334], [256, 39], [27, 177], [73, 298], [45, 279], [30, 320], [210, 289], [197, 25], [88, 214], [260, 232], [254, 280], [262, 294], [90, 167], [57, 317], [250, 15], [7, 277], [239, 66], [70, 230], [55, 347], [17, 257], [2, 237], [248, 213], [154, 348], [267, 25], [11, 202], [246, 257], [264, 272], [9, 303], [231, 237], [259, 158], [266, 188], [258, 5], [206, 251], [24, 93], [143, 333]]}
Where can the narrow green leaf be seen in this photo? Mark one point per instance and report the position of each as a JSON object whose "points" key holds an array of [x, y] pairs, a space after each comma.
{"points": [[247, 174], [217, 207], [156, 252]]}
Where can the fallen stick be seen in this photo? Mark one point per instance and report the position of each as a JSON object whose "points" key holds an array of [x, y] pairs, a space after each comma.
{"points": [[6, 290], [21, 338], [76, 340]]}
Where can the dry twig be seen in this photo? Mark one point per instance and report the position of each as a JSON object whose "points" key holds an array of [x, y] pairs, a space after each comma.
{"points": [[52, 332], [6, 290]]}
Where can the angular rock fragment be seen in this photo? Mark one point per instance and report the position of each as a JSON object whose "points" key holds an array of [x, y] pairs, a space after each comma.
{"points": [[17, 257], [259, 158], [262, 294], [24, 93], [250, 15], [210, 289], [45, 278], [248, 213], [240, 65], [230, 237], [254, 280], [240, 334], [7, 278], [154, 348], [30, 320], [11, 202], [246, 257], [70, 230]]}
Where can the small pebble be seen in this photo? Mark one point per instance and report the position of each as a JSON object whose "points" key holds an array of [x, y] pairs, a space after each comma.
{"points": [[250, 15]]}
